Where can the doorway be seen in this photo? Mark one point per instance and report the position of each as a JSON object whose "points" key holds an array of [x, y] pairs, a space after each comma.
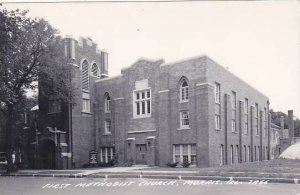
{"points": [[46, 154], [141, 151]]}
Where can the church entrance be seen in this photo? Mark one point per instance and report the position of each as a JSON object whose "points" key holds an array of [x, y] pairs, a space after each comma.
{"points": [[46, 153], [141, 150]]}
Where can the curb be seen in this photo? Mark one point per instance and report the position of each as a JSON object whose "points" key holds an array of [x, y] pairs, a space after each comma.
{"points": [[157, 176]]}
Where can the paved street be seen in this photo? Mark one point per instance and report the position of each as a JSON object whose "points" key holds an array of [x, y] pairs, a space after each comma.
{"points": [[44, 185]]}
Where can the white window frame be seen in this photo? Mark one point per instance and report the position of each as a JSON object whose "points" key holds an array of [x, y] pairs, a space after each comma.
{"points": [[189, 146], [139, 102], [107, 127], [217, 106], [182, 119], [249, 153], [107, 103], [245, 153], [88, 78], [236, 154], [184, 91], [217, 122], [217, 93], [106, 151], [98, 70], [221, 155], [86, 105]]}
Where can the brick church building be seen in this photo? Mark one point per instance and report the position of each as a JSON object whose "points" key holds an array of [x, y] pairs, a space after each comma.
{"points": [[153, 113]]}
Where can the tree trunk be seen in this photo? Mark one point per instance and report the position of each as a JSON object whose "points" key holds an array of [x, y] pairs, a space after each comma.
{"points": [[10, 140]]}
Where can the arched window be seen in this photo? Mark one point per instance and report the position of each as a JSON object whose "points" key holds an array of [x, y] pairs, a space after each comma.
{"points": [[184, 91], [85, 75], [107, 102], [95, 70]]}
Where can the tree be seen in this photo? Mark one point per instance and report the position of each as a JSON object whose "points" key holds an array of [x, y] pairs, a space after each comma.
{"points": [[276, 117], [31, 50]]}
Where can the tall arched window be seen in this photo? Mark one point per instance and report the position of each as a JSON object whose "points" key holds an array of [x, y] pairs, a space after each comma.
{"points": [[85, 75], [107, 103], [95, 70], [184, 91]]}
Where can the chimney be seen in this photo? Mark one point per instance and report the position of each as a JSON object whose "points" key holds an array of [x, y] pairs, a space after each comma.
{"points": [[281, 127], [291, 123]]}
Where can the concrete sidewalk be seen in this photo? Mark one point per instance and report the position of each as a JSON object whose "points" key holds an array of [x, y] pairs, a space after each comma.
{"points": [[144, 172]]}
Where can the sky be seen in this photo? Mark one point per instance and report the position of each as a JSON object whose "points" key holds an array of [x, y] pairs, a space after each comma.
{"points": [[256, 40]]}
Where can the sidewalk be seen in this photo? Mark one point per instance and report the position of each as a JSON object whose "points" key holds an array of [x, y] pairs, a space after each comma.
{"points": [[160, 173]]}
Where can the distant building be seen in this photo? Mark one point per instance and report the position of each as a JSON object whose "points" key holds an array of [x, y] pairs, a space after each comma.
{"points": [[275, 140], [281, 137]]}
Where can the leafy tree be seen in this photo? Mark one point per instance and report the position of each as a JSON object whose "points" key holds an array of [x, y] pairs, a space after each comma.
{"points": [[31, 50], [276, 117]]}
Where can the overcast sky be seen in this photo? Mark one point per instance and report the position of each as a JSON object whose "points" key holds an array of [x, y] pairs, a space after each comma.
{"points": [[258, 41]]}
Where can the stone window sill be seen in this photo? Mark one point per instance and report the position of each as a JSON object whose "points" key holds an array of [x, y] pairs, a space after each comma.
{"points": [[183, 128]]}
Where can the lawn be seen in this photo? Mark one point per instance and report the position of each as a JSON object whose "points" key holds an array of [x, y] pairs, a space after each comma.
{"points": [[272, 166]]}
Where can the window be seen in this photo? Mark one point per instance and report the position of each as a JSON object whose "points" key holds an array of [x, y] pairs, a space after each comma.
{"points": [[255, 153], [176, 153], [258, 153], [218, 121], [222, 155], [107, 126], [231, 154], [70, 48], [249, 154], [142, 103], [85, 76], [233, 112], [184, 119], [245, 153], [184, 91], [86, 105], [276, 137], [237, 154], [266, 122], [54, 106], [95, 70], [246, 110], [217, 93], [107, 154], [185, 153], [105, 61], [107, 103], [25, 117], [193, 154], [217, 107], [256, 120]]}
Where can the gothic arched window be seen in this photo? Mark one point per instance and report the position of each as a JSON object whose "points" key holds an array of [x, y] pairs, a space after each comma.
{"points": [[184, 91], [85, 75], [95, 70], [107, 103]]}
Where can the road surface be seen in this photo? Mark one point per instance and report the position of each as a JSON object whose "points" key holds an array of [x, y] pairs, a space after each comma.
{"points": [[86, 186]]}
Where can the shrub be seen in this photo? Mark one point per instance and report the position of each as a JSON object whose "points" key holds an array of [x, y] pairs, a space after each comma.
{"points": [[173, 165], [186, 164]]}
